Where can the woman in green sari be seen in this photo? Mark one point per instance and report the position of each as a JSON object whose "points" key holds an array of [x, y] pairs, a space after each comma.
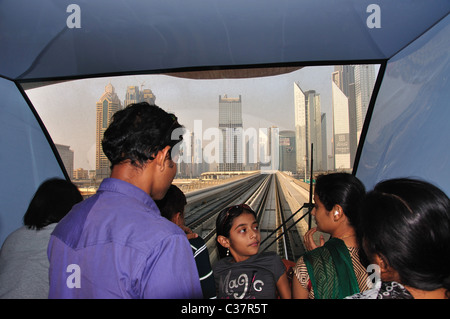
{"points": [[332, 270]]}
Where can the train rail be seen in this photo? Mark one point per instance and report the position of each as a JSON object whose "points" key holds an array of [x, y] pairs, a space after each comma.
{"points": [[265, 194]]}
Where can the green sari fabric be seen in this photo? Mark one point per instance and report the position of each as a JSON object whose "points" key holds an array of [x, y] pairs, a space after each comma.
{"points": [[331, 271]]}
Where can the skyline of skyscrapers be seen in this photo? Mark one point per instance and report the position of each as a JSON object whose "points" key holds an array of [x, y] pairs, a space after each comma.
{"points": [[352, 87]]}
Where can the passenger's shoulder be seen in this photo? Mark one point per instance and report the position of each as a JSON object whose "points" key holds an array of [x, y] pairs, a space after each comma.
{"points": [[197, 242], [269, 256], [222, 264]]}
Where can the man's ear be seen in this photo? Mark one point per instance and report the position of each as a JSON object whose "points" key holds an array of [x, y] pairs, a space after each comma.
{"points": [[162, 156], [222, 240]]}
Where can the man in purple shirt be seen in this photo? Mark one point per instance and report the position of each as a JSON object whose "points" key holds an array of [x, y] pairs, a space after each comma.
{"points": [[116, 244]]}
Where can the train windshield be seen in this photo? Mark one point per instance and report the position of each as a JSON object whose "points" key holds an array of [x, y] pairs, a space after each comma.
{"points": [[282, 120]]}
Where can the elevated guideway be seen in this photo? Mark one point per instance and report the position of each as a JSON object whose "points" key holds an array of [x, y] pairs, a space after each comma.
{"points": [[280, 201]]}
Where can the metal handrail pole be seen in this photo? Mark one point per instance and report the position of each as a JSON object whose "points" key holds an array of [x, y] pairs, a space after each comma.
{"points": [[306, 205], [282, 234]]}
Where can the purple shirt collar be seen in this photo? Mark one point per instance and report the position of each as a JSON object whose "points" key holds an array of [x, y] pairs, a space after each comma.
{"points": [[120, 186]]}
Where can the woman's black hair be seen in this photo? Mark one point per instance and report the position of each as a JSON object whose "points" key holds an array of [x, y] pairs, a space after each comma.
{"points": [[407, 221], [224, 222], [343, 189], [52, 201], [138, 132]]}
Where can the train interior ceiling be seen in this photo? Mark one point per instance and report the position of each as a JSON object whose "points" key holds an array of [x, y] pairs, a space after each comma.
{"points": [[268, 59]]}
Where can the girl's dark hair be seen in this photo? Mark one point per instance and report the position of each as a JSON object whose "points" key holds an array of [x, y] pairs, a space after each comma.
{"points": [[224, 222], [138, 132], [173, 202], [343, 189], [52, 201], [407, 221]]}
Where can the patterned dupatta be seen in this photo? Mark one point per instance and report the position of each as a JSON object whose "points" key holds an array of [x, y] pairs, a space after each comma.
{"points": [[331, 271]]}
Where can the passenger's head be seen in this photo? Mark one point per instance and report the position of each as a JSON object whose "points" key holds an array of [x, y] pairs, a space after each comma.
{"points": [[341, 192], [172, 205], [52, 201], [138, 132], [237, 230], [405, 224]]}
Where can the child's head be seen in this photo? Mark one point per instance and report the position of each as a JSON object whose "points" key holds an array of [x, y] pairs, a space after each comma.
{"points": [[172, 205], [237, 230]]}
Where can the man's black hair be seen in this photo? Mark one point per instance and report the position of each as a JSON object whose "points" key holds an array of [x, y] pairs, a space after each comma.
{"points": [[138, 132]]}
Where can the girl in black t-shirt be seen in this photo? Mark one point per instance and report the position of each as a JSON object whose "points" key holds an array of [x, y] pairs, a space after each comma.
{"points": [[243, 273]]}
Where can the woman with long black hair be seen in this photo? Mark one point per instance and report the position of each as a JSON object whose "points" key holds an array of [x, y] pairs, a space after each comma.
{"points": [[333, 270], [405, 230]]}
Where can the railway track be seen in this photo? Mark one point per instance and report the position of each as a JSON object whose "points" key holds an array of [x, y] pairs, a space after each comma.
{"points": [[290, 244], [265, 195], [205, 214]]}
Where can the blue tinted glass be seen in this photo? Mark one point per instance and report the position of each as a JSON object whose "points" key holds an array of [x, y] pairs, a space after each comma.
{"points": [[27, 158], [409, 132]]}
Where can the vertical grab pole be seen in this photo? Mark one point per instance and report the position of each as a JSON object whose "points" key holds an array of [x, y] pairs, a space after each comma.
{"points": [[311, 186]]}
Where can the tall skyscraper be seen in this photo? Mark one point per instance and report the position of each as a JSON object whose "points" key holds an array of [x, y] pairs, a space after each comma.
{"points": [[308, 129], [340, 128], [314, 124], [300, 116], [364, 83], [148, 96], [106, 106], [343, 76], [134, 95], [67, 157], [287, 151], [356, 82], [230, 124], [324, 142]]}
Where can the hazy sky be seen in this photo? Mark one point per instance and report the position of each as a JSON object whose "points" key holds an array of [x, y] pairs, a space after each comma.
{"points": [[69, 109]]}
